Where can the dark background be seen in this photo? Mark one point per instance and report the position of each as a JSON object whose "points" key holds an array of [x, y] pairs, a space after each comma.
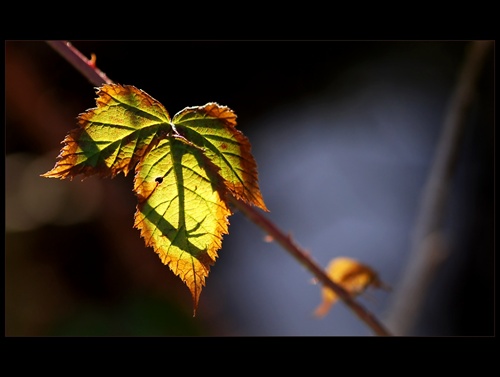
{"points": [[75, 266]]}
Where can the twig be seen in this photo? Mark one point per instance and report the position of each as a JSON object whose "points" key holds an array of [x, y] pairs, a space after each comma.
{"points": [[428, 248], [86, 67], [97, 77]]}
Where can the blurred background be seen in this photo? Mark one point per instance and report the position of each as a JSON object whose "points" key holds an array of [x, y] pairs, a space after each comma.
{"points": [[343, 132]]}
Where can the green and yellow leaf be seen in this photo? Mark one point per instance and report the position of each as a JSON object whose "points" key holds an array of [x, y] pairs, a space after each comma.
{"points": [[181, 211], [185, 170], [112, 137], [213, 128]]}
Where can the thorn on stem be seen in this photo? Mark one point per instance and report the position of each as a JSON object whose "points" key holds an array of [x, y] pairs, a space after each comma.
{"points": [[268, 238], [92, 60]]}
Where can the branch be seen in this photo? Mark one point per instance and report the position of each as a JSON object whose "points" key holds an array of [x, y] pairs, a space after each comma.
{"points": [[88, 69], [428, 248]]}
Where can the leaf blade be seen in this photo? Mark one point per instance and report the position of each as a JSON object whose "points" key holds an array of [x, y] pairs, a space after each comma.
{"points": [[181, 211], [213, 128], [112, 137]]}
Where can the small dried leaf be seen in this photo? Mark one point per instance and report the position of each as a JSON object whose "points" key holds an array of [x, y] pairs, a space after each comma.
{"points": [[351, 275]]}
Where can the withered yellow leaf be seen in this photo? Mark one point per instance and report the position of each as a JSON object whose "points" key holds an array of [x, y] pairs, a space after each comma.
{"points": [[351, 275]]}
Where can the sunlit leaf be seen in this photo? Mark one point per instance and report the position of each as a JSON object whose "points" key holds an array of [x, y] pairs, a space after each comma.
{"points": [[181, 213], [186, 168], [112, 137], [213, 128]]}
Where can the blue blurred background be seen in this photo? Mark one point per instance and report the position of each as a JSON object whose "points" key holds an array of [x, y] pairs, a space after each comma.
{"points": [[343, 132]]}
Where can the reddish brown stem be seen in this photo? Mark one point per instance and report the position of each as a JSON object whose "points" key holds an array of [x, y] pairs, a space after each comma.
{"points": [[98, 78], [306, 260], [86, 67]]}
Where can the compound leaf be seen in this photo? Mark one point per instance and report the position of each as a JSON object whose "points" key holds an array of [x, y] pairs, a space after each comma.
{"points": [[186, 168]]}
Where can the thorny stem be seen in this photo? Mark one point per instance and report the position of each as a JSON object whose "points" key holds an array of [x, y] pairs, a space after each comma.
{"points": [[88, 69]]}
